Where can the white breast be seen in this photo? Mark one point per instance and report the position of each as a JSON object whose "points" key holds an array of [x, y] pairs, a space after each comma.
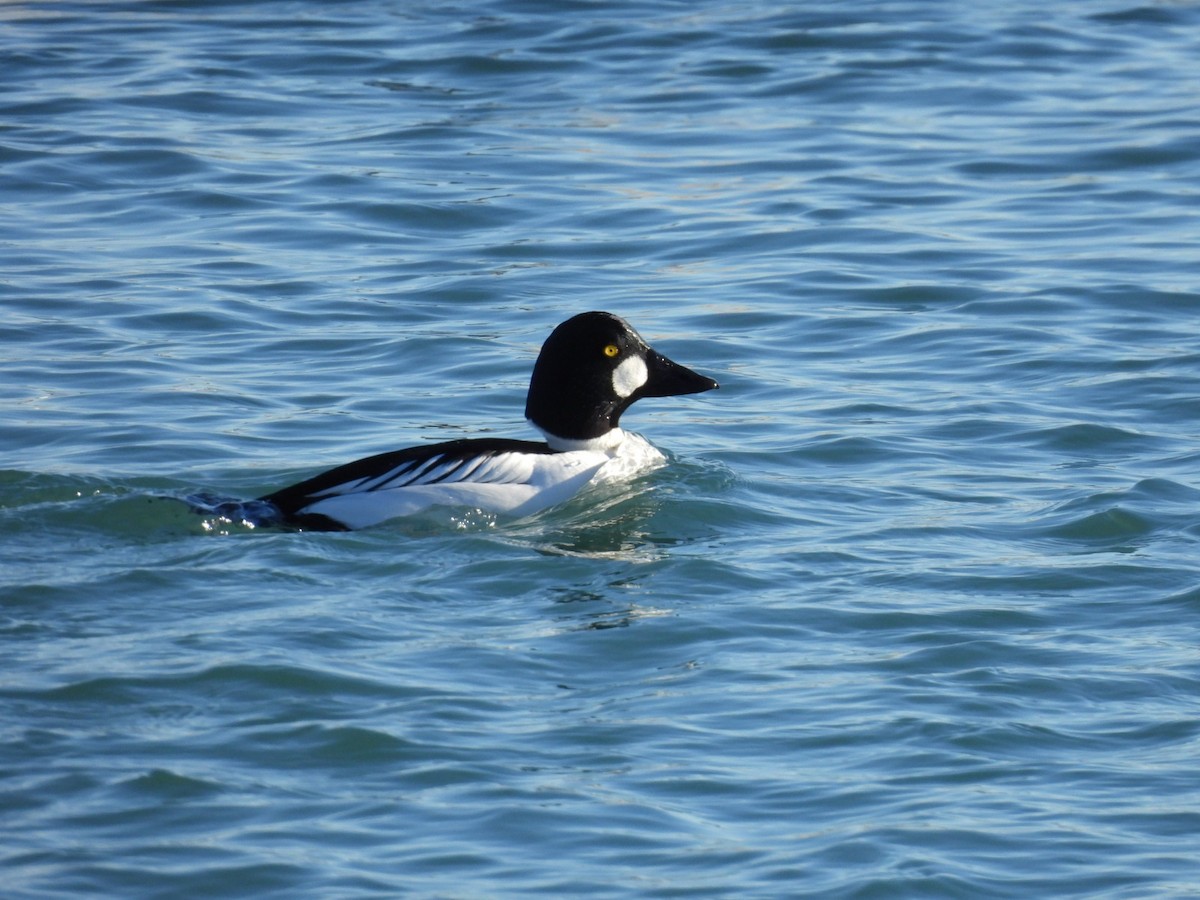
{"points": [[630, 458]]}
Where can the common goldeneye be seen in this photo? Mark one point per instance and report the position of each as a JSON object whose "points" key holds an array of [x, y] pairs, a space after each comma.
{"points": [[590, 370]]}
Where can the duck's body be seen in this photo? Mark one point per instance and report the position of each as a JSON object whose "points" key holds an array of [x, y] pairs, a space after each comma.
{"points": [[515, 478], [591, 368]]}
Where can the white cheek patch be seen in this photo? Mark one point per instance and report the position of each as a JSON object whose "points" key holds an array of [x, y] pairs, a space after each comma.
{"points": [[630, 375]]}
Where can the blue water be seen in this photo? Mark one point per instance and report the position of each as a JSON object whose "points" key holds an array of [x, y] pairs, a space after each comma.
{"points": [[914, 610]]}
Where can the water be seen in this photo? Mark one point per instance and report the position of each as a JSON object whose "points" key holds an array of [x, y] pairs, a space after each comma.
{"points": [[912, 612]]}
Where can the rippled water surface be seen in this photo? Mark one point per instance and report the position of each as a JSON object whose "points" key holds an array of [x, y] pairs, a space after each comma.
{"points": [[914, 609]]}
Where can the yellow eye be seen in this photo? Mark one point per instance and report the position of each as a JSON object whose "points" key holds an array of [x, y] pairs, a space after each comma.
{"points": [[611, 350]]}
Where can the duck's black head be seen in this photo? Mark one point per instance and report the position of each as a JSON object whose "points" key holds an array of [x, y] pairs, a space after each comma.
{"points": [[591, 369]]}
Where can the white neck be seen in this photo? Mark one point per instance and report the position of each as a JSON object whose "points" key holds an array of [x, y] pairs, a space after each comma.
{"points": [[607, 442]]}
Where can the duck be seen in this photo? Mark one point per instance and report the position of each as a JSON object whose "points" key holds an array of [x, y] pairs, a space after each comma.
{"points": [[590, 370]]}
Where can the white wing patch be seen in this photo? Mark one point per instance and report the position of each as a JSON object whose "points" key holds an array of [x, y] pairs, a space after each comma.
{"points": [[434, 470]]}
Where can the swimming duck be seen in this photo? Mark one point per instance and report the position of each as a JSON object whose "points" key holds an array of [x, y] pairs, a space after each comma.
{"points": [[591, 369]]}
